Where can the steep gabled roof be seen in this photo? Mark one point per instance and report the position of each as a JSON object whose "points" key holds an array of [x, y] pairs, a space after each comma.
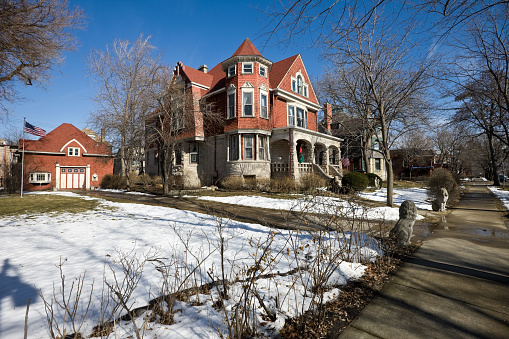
{"points": [[246, 48], [57, 138], [219, 78], [280, 69], [197, 76]]}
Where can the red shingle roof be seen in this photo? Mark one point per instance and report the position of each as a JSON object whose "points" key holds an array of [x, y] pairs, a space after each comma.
{"points": [[247, 48], [56, 139], [197, 76], [279, 70]]}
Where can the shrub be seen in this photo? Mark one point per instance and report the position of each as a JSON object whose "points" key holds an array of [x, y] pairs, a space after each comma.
{"points": [[113, 181], [356, 181], [233, 183], [442, 177], [263, 184], [283, 185], [311, 182], [374, 180]]}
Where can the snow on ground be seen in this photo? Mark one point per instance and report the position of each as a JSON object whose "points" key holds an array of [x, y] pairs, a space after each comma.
{"points": [[348, 209], [34, 244], [417, 195], [501, 194]]}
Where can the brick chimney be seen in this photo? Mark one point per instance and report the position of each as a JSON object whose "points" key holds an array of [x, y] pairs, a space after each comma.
{"points": [[203, 68], [327, 115], [103, 134]]}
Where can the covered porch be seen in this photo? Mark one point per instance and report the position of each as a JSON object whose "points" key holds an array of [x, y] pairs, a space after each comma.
{"points": [[296, 152]]}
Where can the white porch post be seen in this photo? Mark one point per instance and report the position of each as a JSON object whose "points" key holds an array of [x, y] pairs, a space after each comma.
{"points": [[87, 177], [57, 176]]}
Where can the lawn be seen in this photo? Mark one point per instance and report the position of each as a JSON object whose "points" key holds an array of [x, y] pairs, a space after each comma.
{"points": [[164, 250]]}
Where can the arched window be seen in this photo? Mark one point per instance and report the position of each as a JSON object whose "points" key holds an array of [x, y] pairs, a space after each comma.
{"points": [[299, 84]]}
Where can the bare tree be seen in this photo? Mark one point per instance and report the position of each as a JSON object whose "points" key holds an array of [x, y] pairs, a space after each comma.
{"points": [[124, 75], [287, 21], [451, 142], [383, 78], [480, 111], [482, 68], [176, 116], [33, 36]]}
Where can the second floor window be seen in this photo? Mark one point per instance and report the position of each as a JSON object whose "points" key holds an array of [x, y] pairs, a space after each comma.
{"points": [[73, 152], [291, 116], [263, 106], [247, 102], [231, 105]]}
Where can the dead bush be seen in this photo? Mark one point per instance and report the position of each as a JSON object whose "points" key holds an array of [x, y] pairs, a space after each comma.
{"points": [[311, 182], [283, 185], [443, 178], [233, 183]]}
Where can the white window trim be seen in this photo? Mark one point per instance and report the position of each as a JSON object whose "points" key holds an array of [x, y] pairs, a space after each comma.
{"points": [[262, 92], [79, 143], [32, 178], [234, 72], [248, 90], [253, 147], [304, 117], [231, 90], [261, 139], [304, 85], [191, 153], [260, 66], [247, 63], [73, 153]]}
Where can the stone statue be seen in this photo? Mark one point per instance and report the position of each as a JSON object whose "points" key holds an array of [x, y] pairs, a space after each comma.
{"points": [[403, 229], [438, 205]]}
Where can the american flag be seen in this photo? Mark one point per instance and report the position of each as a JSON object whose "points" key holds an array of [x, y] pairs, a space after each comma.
{"points": [[345, 161], [29, 128]]}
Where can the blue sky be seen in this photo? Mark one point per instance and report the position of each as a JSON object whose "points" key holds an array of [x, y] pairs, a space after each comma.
{"points": [[194, 32]]}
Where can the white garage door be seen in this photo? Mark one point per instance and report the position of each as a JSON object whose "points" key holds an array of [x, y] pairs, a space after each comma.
{"points": [[72, 177]]}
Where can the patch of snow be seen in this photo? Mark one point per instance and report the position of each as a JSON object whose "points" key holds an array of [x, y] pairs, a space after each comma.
{"points": [[92, 241]]}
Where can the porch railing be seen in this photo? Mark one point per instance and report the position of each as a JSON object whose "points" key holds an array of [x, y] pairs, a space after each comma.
{"points": [[305, 167]]}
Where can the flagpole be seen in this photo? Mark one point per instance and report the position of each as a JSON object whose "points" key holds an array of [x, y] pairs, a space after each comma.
{"points": [[23, 156]]}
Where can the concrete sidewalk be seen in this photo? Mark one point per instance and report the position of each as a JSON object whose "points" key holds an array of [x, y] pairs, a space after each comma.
{"points": [[457, 286]]}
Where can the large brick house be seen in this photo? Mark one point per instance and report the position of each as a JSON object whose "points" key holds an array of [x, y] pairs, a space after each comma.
{"points": [[270, 122], [66, 158]]}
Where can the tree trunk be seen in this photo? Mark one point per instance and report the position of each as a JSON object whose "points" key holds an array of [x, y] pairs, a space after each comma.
{"points": [[390, 182], [494, 167]]}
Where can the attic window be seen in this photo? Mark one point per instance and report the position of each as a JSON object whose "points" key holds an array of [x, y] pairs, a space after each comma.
{"points": [[231, 71], [73, 152], [247, 67]]}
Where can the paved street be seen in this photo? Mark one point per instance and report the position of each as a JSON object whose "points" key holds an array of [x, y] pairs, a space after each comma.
{"points": [[456, 286]]}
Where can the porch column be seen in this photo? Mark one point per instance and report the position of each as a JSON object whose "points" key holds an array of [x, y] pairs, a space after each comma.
{"points": [[87, 177], [228, 147], [313, 154], [239, 139], [57, 176], [293, 157], [327, 159]]}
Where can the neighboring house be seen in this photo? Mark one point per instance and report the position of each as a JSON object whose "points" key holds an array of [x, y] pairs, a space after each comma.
{"points": [[6, 159], [408, 163], [66, 158], [270, 122], [353, 144]]}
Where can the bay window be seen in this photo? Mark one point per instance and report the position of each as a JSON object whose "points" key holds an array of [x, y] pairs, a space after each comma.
{"points": [[263, 106], [247, 104], [248, 147]]}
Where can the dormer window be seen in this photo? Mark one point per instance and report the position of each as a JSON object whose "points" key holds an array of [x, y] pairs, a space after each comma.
{"points": [[299, 86], [247, 67], [73, 152], [263, 71], [231, 71]]}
